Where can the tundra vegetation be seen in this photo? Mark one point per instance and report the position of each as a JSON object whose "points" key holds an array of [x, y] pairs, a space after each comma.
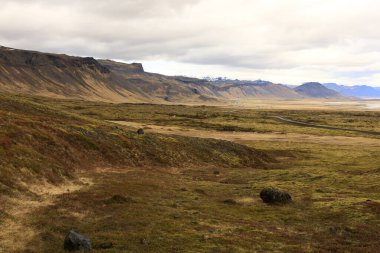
{"points": [[165, 191]]}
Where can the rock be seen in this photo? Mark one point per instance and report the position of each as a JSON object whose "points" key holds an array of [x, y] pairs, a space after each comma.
{"points": [[75, 242], [176, 216], [272, 196], [205, 237], [118, 199], [105, 245], [216, 172], [200, 191], [195, 91], [230, 202], [144, 241], [140, 131]]}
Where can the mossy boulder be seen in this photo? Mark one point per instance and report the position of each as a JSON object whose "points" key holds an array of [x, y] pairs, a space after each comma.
{"points": [[272, 195]]}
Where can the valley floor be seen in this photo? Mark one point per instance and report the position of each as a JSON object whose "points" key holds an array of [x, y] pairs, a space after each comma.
{"points": [[332, 177]]}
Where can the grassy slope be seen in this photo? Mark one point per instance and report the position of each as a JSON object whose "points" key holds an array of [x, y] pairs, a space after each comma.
{"points": [[40, 141]]}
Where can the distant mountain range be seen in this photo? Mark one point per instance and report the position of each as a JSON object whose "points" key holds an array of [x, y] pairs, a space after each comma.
{"points": [[261, 88], [63, 76], [360, 91]]}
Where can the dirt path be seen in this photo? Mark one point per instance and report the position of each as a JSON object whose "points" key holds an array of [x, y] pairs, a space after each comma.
{"points": [[299, 123], [246, 136], [15, 233]]}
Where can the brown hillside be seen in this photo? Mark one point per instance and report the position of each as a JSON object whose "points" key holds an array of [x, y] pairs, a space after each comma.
{"points": [[63, 76]]}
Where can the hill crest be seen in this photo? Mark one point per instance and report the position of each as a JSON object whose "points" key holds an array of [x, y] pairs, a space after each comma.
{"points": [[316, 90]]}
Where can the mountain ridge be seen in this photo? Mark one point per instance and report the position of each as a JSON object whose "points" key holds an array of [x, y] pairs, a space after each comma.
{"points": [[316, 90], [87, 78]]}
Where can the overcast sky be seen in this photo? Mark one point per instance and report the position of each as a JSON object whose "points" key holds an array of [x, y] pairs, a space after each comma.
{"points": [[286, 41]]}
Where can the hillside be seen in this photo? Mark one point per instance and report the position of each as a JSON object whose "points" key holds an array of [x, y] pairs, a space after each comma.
{"points": [[316, 90], [62, 76], [38, 141], [69, 77], [254, 89]]}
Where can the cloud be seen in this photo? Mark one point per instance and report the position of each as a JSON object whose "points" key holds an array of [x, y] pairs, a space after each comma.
{"points": [[289, 39]]}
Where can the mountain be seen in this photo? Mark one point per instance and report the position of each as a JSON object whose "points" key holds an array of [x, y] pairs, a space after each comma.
{"points": [[62, 76], [360, 91], [86, 78], [316, 90], [238, 89]]}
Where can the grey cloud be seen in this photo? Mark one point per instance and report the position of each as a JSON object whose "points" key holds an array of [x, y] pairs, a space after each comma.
{"points": [[334, 35]]}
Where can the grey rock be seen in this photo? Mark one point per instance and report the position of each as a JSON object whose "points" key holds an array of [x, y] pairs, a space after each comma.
{"points": [[76, 242]]}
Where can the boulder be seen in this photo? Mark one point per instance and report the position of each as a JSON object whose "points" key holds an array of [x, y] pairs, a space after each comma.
{"points": [[104, 245], [230, 202], [140, 131], [272, 196], [118, 199], [76, 242]]}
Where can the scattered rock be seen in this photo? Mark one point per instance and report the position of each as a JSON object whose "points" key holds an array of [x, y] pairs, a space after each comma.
{"points": [[341, 231], [75, 242], [195, 91], [176, 216], [272, 196], [118, 199], [205, 237], [105, 245], [318, 178], [144, 241], [140, 131], [230, 202], [200, 191]]}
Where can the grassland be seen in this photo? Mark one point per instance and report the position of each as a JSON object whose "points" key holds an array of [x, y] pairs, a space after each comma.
{"points": [[178, 190], [229, 119]]}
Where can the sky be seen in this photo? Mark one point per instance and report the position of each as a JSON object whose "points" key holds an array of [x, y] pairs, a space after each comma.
{"points": [[284, 41]]}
